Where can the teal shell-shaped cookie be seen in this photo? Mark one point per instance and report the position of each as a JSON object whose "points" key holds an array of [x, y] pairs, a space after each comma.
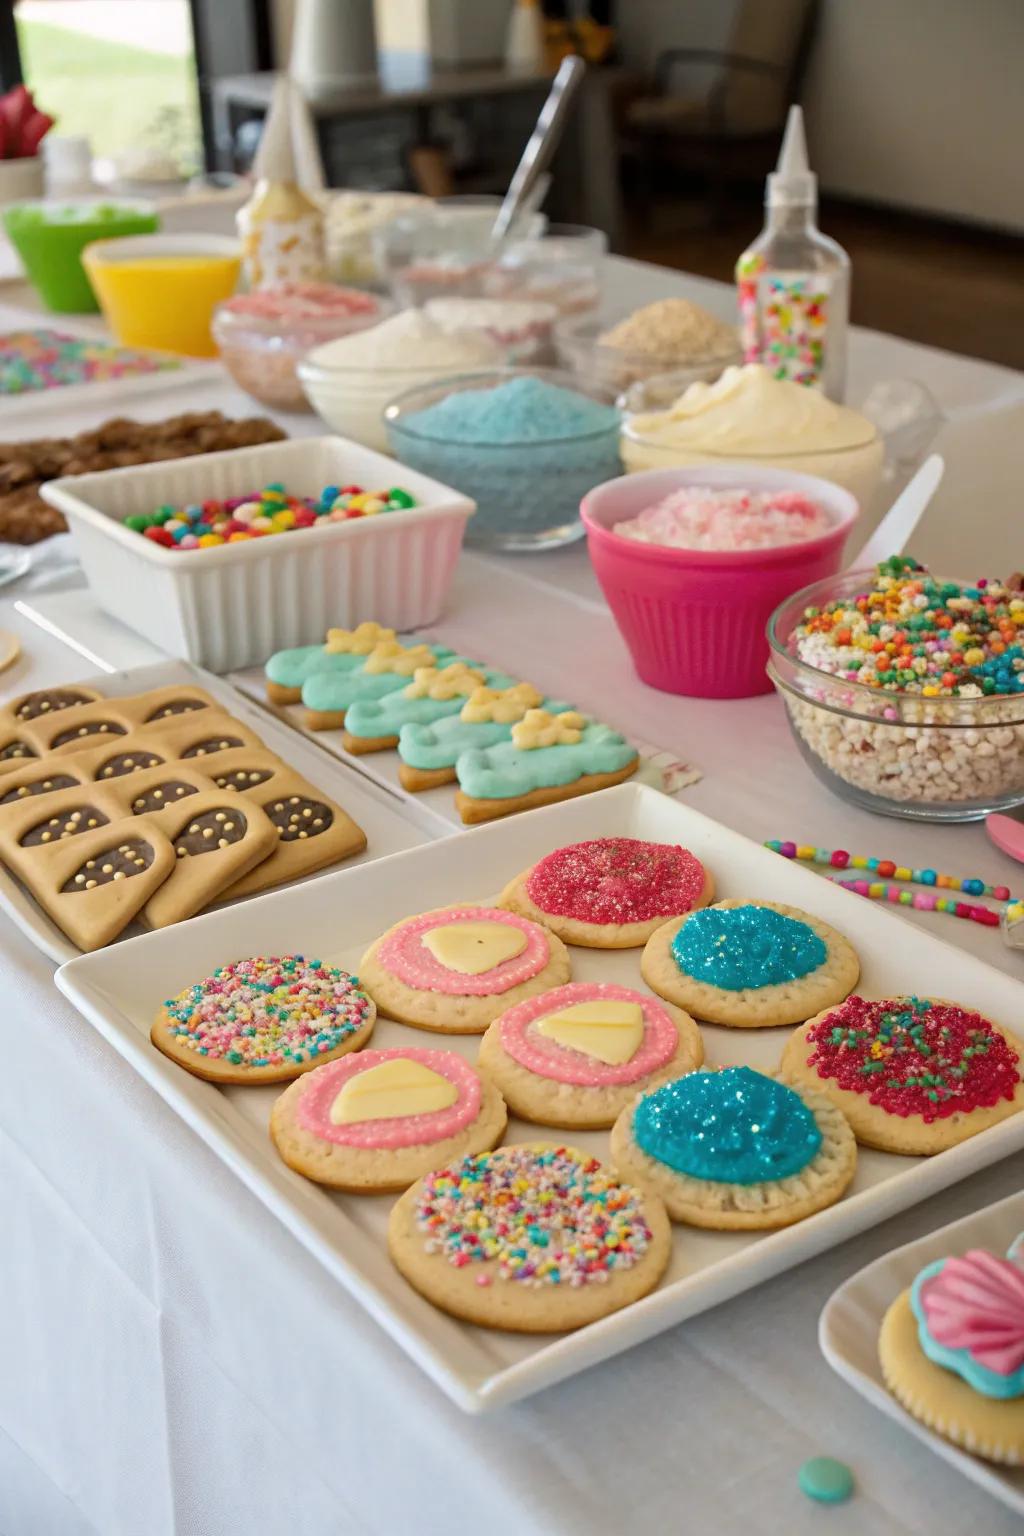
{"points": [[505, 771], [441, 745], [387, 716], [330, 691]]}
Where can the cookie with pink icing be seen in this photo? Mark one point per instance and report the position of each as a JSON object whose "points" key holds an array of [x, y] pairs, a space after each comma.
{"points": [[455, 969], [610, 892], [576, 1056], [376, 1122]]}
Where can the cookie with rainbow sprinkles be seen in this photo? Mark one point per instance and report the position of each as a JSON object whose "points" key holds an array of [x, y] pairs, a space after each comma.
{"points": [[265, 1019], [533, 1239], [610, 892], [373, 1122], [750, 964], [951, 1350], [911, 1074], [735, 1149]]}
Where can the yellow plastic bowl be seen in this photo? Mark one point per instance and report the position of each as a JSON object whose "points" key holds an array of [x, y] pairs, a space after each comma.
{"points": [[161, 290]]}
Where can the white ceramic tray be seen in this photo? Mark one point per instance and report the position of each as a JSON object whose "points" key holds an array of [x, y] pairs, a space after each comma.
{"points": [[852, 1316], [390, 825], [119, 990]]}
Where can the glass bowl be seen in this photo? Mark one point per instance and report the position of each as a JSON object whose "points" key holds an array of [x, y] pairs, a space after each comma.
{"points": [[936, 759], [444, 250], [522, 328], [527, 491], [564, 268], [261, 349], [579, 347]]}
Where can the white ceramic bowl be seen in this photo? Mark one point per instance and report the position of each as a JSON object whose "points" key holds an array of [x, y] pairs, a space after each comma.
{"points": [[232, 605]]}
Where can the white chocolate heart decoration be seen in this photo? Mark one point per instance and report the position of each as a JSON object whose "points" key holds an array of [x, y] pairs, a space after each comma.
{"points": [[610, 1030], [472, 948], [392, 1089]]}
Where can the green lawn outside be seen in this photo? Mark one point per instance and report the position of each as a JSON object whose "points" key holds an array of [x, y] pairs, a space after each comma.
{"points": [[118, 96]]}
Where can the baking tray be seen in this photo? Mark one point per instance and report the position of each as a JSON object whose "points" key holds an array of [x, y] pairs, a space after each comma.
{"points": [[389, 823], [120, 989], [852, 1317]]}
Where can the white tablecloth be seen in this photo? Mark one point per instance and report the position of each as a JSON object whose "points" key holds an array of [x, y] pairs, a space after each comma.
{"points": [[172, 1362]]}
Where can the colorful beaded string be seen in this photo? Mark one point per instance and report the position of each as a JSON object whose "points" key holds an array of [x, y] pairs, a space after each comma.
{"points": [[921, 901]]}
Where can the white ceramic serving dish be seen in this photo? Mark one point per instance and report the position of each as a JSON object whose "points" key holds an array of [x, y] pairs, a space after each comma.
{"points": [[852, 1317], [232, 605], [391, 824], [338, 915]]}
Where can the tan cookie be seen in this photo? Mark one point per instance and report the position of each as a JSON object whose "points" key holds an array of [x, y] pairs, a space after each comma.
{"points": [[162, 787], [739, 948], [728, 1204], [865, 1055], [167, 703], [536, 1275], [575, 1057], [361, 745], [455, 969], [35, 823], [385, 1118], [598, 894], [942, 1400], [16, 745], [415, 780], [313, 832], [95, 884], [197, 734], [78, 727], [44, 701], [216, 841], [248, 1023], [475, 810]]}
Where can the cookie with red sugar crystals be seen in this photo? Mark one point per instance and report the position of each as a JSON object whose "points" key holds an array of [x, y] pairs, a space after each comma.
{"points": [[912, 1075], [611, 892]]}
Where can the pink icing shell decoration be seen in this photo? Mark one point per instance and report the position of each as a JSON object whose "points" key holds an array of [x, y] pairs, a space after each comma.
{"points": [[404, 954], [977, 1303], [548, 1059], [322, 1086]]}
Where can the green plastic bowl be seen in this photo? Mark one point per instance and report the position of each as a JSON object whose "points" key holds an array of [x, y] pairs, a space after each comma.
{"points": [[50, 237]]}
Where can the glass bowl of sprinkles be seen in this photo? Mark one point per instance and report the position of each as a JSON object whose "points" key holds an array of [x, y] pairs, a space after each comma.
{"points": [[905, 691]]}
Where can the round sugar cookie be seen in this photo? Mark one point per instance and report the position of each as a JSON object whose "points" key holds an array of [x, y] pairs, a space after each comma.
{"points": [[750, 964], [912, 1075], [455, 969], [264, 1020], [374, 1122], [735, 1150], [533, 1239], [611, 892], [575, 1057], [951, 1350]]}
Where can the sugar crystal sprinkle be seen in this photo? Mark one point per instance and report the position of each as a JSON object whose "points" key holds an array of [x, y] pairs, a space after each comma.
{"points": [[268, 1011], [546, 1215]]}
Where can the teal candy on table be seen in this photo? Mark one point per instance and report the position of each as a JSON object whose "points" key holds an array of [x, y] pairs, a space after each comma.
{"points": [[526, 446]]}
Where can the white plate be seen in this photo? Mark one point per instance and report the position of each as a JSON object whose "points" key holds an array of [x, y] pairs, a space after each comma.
{"points": [[389, 823], [119, 990], [852, 1317]]}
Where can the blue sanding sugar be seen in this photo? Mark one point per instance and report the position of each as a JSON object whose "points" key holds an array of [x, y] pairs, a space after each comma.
{"points": [[524, 409]]}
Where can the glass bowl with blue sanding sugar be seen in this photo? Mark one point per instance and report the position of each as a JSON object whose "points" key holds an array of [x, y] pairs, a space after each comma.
{"points": [[526, 444]]}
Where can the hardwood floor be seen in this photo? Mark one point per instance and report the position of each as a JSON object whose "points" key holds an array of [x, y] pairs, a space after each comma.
{"points": [[949, 286]]}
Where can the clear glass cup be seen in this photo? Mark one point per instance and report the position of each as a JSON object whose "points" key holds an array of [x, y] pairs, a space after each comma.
{"points": [[579, 347], [444, 250], [564, 268]]}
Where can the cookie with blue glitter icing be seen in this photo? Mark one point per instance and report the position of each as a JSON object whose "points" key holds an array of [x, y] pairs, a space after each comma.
{"points": [[432, 693], [429, 752], [327, 696], [750, 964], [550, 758], [343, 650], [735, 1149], [951, 1350]]}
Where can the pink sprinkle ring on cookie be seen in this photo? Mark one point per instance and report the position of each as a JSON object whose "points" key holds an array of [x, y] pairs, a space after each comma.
{"points": [[322, 1087], [547, 1058], [616, 880], [406, 956]]}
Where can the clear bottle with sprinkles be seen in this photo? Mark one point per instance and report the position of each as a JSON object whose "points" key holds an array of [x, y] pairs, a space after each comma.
{"points": [[793, 283]]}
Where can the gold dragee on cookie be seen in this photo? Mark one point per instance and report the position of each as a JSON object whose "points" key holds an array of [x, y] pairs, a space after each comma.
{"points": [[538, 728], [503, 706]]}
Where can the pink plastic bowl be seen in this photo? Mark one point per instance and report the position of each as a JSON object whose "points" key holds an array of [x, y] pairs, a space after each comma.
{"points": [[694, 620]]}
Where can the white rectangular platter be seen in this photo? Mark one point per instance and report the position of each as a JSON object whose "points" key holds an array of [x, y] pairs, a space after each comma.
{"points": [[120, 989], [389, 822], [852, 1316]]}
